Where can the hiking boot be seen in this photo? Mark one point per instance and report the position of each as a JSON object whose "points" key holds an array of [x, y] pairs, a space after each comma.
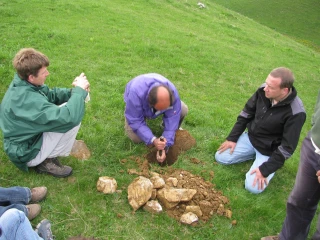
{"points": [[38, 193], [33, 210], [44, 230], [271, 238], [53, 167]]}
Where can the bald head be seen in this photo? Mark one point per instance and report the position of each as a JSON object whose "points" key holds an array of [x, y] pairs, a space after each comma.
{"points": [[160, 97]]}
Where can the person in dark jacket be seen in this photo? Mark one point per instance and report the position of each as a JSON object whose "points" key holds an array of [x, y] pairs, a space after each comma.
{"points": [[273, 117], [304, 198], [39, 124]]}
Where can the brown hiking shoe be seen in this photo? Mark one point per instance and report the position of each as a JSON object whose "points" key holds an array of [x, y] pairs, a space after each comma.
{"points": [[33, 210], [53, 167], [38, 193], [271, 238]]}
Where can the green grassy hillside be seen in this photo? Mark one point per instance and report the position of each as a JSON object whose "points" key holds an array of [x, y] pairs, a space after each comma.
{"points": [[216, 58], [299, 20]]}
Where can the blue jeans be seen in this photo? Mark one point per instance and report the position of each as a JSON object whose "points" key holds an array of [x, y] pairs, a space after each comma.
{"points": [[244, 151], [14, 197], [304, 197], [14, 225]]}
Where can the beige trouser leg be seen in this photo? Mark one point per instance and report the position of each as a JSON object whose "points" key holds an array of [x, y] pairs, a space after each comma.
{"points": [[184, 112], [54, 145], [134, 137]]}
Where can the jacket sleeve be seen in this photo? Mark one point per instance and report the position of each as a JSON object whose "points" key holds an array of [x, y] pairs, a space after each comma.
{"points": [[290, 139], [245, 116], [135, 118], [171, 121], [44, 116], [59, 95]]}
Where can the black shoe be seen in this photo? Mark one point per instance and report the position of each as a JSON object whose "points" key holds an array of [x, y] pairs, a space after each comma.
{"points": [[53, 167]]}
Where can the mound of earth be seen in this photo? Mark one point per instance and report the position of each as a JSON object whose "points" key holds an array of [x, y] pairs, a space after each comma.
{"points": [[183, 142], [210, 200], [207, 198]]}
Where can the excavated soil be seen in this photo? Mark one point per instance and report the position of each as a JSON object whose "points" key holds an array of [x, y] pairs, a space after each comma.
{"points": [[183, 142], [210, 200], [207, 198]]}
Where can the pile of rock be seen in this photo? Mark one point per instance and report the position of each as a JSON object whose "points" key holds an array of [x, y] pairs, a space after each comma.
{"points": [[184, 196]]}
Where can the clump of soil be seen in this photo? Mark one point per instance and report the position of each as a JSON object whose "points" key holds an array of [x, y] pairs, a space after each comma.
{"points": [[207, 198], [183, 142]]}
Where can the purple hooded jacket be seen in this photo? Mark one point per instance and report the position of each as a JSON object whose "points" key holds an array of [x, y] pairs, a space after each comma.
{"points": [[138, 108]]}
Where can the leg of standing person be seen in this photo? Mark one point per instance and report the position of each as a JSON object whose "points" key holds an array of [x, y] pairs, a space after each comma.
{"points": [[316, 235], [304, 198], [243, 151]]}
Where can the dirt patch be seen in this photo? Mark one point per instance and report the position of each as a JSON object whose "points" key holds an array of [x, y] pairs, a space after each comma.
{"points": [[183, 142], [207, 198], [211, 201]]}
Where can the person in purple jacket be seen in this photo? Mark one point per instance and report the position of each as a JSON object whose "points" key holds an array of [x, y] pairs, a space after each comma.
{"points": [[148, 96]]}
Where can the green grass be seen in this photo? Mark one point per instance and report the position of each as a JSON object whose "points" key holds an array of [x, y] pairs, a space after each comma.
{"points": [[299, 20], [216, 58]]}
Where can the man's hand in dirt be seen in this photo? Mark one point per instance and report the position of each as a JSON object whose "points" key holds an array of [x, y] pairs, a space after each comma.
{"points": [[226, 145], [161, 155], [259, 179], [160, 145]]}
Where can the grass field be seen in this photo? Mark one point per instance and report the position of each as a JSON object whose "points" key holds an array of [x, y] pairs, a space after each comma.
{"points": [[296, 19], [216, 58]]}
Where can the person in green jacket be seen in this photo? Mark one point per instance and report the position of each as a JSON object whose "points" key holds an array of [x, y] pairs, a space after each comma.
{"points": [[38, 123]]}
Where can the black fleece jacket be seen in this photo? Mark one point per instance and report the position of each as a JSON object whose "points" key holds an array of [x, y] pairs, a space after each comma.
{"points": [[273, 130]]}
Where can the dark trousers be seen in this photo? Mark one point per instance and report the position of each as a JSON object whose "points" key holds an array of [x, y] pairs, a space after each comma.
{"points": [[303, 200]]}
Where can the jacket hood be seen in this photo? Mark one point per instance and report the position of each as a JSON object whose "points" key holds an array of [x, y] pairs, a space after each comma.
{"points": [[18, 82]]}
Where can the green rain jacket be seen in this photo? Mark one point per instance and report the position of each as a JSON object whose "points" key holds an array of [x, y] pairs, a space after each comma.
{"points": [[27, 111]]}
